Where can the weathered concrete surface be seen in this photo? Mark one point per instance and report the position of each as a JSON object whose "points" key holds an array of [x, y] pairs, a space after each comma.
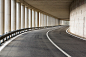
{"points": [[36, 44], [58, 8], [78, 18], [31, 44]]}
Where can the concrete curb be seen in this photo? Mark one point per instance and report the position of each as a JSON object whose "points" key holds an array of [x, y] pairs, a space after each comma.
{"points": [[75, 35]]}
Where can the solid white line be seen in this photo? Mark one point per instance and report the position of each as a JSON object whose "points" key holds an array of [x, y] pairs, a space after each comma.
{"points": [[74, 35], [7, 42], [56, 45]]}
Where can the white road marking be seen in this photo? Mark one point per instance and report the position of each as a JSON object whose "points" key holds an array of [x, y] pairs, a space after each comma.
{"points": [[74, 35], [7, 42], [56, 45]]}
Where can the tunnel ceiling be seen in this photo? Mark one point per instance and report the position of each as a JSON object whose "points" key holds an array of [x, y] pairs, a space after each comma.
{"points": [[57, 8]]}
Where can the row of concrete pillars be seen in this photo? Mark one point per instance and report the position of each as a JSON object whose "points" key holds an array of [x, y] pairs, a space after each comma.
{"points": [[15, 15]]}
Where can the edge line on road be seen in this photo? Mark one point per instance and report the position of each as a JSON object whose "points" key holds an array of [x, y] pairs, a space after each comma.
{"points": [[74, 35], [56, 45], [9, 41]]}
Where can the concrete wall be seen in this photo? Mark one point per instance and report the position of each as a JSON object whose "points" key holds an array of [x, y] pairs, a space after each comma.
{"points": [[78, 17], [63, 22]]}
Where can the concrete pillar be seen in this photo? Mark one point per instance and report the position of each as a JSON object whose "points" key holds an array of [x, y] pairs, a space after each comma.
{"points": [[1, 17], [22, 16], [42, 19], [50, 21], [18, 15], [55, 22], [58, 22], [7, 16], [37, 19], [30, 18], [47, 21], [62, 22], [26, 17], [33, 13], [34, 19], [13, 15]]}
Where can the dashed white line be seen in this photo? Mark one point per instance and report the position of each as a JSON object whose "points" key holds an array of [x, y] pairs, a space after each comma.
{"points": [[56, 45]]}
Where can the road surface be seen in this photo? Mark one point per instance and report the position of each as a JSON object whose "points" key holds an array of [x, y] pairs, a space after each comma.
{"points": [[36, 44]]}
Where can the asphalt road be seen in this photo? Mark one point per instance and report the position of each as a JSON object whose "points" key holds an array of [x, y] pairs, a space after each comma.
{"points": [[36, 44]]}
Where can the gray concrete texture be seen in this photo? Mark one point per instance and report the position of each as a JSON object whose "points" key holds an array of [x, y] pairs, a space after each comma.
{"points": [[78, 18], [31, 44], [57, 8], [36, 44]]}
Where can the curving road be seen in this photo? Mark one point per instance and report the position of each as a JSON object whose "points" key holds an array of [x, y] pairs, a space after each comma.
{"points": [[36, 44]]}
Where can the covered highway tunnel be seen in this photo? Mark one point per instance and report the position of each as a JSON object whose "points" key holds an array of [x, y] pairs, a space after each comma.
{"points": [[41, 28]]}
